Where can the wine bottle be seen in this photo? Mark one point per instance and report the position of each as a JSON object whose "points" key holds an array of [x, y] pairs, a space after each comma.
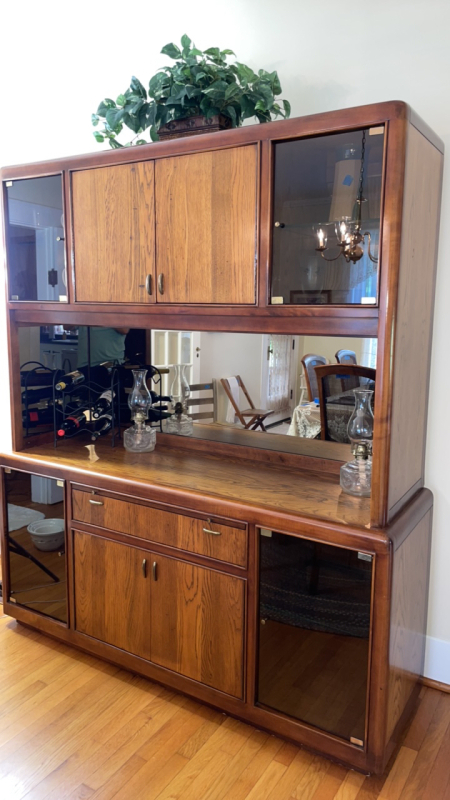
{"points": [[69, 380], [103, 404], [37, 416], [72, 424], [158, 398], [101, 426]]}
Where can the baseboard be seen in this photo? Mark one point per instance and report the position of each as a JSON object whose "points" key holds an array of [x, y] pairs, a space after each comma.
{"points": [[437, 662], [442, 687]]}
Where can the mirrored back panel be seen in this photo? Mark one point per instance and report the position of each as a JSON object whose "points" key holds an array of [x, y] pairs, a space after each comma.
{"points": [[254, 390]]}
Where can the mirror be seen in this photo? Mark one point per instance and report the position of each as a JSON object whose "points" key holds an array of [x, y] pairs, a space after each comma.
{"points": [[255, 390]]}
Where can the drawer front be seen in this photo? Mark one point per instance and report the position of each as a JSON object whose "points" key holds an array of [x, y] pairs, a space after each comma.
{"points": [[222, 542]]}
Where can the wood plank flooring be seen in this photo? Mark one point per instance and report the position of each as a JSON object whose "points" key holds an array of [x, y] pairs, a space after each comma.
{"points": [[75, 728]]}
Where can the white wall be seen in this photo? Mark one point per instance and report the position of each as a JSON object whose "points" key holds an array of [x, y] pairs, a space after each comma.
{"points": [[224, 355], [57, 61]]}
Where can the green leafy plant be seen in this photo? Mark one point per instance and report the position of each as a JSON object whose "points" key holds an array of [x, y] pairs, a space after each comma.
{"points": [[199, 82]]}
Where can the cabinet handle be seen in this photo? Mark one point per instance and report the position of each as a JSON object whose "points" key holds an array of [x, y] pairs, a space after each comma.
{"points": [[161, 283], [144, 567], [214, 533], [95, 502], [154, 571], [60, 239], [279, 224], [148, 284]]}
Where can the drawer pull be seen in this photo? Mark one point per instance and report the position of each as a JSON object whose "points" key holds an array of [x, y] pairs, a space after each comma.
{"points": [[144, 567], [161, 283], [95, 502], [214, 533], [154, 571], [148, 284]]}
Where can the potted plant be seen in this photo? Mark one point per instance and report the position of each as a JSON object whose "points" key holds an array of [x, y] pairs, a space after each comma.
{"points": [[199, 91]]}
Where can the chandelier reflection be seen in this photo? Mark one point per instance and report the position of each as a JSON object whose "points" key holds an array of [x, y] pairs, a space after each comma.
{"points": [[350, 240]]}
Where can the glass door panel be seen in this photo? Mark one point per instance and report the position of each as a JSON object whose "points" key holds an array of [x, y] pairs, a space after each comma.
{"points": [[35, 538], [314, 633], [35, 239], [320, 185]]}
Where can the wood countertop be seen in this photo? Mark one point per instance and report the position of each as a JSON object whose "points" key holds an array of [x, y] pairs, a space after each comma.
{"points": [[297, 492]]}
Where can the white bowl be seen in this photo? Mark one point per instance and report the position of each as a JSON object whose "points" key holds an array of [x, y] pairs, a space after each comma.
{"points": [[47, 534]]}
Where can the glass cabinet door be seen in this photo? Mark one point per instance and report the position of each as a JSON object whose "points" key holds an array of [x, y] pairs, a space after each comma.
{"points": [[326, 219], [314, 633], [36, 543], [35, 239]]}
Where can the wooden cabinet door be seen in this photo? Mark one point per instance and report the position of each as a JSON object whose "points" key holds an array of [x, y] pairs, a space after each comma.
{"points": [[206, 227], [112, 593], [114, 233], [197, 622]]}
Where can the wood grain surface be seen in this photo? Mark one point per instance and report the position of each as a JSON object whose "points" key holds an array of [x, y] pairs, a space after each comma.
{"points": [[409, 618], [206, 226], [197, 623], [227, 543], [112, 593], [413, 324], [114, 233], [267, 486], [76, 728]]}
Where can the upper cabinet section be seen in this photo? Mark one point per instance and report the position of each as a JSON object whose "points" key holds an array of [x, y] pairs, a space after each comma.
{"points": [[326, 219], [206, 227], [114, 233], [35, 239]]}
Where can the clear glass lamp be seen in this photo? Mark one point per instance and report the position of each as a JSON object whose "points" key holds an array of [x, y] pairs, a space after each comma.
{"points": [[180, 422], [140, 438], [356, 475]]}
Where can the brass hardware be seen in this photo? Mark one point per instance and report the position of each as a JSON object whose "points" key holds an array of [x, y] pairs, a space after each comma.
{"points": [[161, 283], [60, 239], [60, 483], [8, 184], [358, 742], [144, 567], [95, 502], [8, 469], [364, 556], [279, 224], [148, 284], [263, 622], [207, 530], [275, 301], [154, 571], [14, 297]]}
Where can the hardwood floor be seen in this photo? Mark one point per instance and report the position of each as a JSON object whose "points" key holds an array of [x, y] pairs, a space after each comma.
{"points": [[75, 728]]}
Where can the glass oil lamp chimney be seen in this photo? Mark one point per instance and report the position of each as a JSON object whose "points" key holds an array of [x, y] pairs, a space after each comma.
{"points": [[140, 438], [179, 423], [356, 475]]}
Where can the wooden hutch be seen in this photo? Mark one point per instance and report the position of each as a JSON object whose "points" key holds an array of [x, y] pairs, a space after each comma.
{"points": [[184, 235]]}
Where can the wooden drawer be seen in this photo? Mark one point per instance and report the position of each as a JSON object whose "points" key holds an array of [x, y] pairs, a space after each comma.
{"points": [[201, 536]]}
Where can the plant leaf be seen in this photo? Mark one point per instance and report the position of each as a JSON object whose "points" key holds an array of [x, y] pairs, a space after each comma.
{"points": [[171, 50], [154, 134], [137, 87], [195, 52], [94, 119], [121, 100], [115, 144], [186, 41], [287, 108], [98, 136]]}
